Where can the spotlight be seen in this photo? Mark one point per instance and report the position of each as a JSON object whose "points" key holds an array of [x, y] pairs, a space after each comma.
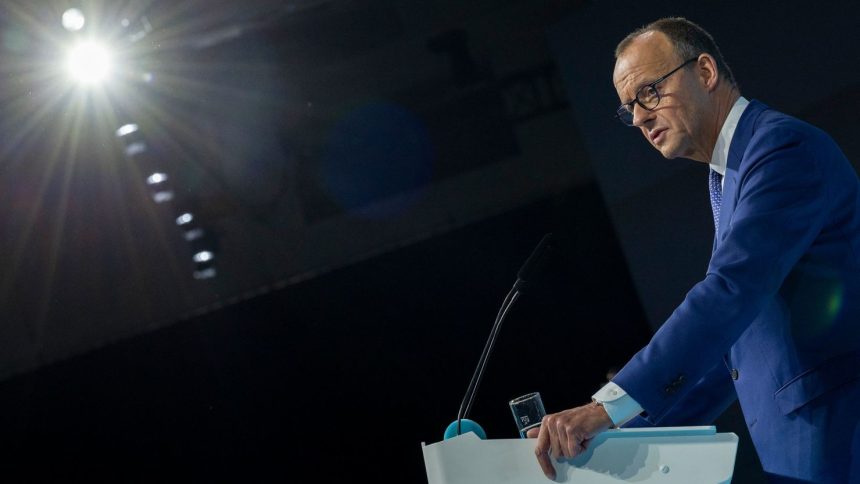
{"points": [[73, 20], [156, 178], [184, 219], [126, 130], [203, 256], [88, 63], [204, 252], [161, 190], [130, 134], [191, 229], [204, 265]]}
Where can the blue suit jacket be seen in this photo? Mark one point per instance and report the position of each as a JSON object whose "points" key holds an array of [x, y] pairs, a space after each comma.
{"points": [[776, 321]]}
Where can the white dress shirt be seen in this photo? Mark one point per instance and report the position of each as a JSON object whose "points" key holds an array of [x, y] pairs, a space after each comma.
{"points": [[720, 156], [620, 406]]}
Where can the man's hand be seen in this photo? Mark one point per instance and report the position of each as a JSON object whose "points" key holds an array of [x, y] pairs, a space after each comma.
{"points": [[567, 433]]}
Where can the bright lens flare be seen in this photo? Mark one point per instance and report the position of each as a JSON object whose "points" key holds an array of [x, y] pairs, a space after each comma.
{"points": [[73, 20], [88, 63]]}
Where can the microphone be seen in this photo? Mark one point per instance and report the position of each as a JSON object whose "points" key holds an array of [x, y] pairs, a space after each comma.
{"points": [[525, 276], [535, 263]]}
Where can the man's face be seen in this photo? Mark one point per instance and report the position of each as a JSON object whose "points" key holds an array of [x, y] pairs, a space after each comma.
{"points": [[676, 127]]}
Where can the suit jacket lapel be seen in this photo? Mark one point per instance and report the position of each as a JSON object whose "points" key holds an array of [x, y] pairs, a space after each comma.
{"points": [[740, 140]]}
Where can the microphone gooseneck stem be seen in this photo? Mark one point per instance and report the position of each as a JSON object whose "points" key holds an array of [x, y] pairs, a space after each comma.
{"points": [[492, 343], [471, 391]]}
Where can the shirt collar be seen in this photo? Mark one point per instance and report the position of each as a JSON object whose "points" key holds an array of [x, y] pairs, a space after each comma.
{"points": [[720, 156]]}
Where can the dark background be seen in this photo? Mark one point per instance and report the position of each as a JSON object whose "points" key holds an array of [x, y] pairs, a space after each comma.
{"points": [[373, 175], [346, 374]]}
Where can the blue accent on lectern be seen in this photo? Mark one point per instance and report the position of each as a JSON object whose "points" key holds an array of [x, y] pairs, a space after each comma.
{"points": [[466, 425]]}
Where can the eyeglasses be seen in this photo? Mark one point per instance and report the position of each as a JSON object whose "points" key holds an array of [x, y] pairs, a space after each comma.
{"points": [[647, 96]]}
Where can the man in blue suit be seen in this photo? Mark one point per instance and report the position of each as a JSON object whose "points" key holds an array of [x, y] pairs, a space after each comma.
{"points": [[776, 321]]}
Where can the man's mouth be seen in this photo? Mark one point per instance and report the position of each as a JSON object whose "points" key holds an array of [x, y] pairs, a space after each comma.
{"points": [[657, 135]]}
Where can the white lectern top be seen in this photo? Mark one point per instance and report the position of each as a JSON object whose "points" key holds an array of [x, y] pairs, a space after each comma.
{"points": [[665, 455]]}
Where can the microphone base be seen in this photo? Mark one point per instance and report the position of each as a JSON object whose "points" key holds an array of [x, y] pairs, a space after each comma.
{"points": [[466, 426]]}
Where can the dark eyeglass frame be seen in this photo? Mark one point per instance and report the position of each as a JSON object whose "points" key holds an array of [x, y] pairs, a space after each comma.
{"points": [[624, 113]]}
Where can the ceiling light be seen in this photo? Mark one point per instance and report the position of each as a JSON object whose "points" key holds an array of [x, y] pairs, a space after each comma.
{"points": [[88, 63], [203, 256]]}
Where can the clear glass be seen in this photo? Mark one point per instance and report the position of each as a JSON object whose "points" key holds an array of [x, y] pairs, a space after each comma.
{"points": [[528, 412]]}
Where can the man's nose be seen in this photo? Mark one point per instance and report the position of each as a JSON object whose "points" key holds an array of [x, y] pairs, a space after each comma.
{"points": [[641, 115]]}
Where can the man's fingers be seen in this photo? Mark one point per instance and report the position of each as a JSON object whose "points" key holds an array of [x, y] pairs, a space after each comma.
{"points": [[564, 440], [571, 447], [567, 434], [542, 452], [543, 442], [574, 443], [555, 450], [533, 432], [545, 464], [546, 441]]}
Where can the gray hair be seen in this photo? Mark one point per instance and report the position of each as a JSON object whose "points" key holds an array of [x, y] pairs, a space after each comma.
{"points": [[688, 39]]}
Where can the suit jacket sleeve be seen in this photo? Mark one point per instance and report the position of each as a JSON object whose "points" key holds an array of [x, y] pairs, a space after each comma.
{"points": [[781, 207], [706, 401]]}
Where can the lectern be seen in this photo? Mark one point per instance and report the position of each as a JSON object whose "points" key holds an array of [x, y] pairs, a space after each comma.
{"points": [[665, 455]]}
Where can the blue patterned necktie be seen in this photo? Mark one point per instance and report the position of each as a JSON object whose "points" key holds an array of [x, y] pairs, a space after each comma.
{"points": [[716, 188]]}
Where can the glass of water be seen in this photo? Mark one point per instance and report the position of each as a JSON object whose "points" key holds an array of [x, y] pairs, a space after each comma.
{"points": [[528, 412]]}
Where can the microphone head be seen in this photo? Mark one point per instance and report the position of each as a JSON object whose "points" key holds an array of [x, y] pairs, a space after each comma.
{"points": [[466, 426], [535, 263]]}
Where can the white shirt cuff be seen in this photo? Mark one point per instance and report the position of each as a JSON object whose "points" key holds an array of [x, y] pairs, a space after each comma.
{"points": [[618, 404]]}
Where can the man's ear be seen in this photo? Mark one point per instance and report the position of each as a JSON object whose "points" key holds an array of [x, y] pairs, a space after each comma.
{"points": [[706, 69]]}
